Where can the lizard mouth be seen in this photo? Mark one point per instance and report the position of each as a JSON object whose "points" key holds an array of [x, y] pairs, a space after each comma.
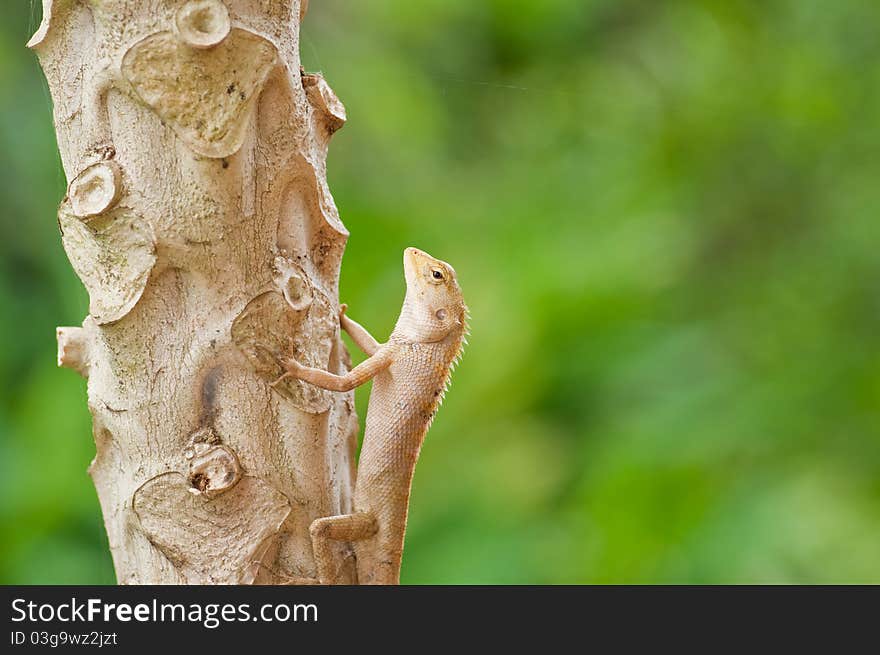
{"points": [[412, 257]]}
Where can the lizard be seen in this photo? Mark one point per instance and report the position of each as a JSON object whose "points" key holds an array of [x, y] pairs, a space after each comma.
{"points": [[410, 374]]}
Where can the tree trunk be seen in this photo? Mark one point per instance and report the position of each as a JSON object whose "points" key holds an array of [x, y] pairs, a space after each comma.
{"points": [[199, 219]]}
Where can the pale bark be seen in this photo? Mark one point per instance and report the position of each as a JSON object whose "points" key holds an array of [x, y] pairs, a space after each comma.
{"points": [[199, 219]]}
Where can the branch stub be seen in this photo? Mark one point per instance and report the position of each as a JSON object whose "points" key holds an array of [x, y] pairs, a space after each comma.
{"points": [[203, 23]]}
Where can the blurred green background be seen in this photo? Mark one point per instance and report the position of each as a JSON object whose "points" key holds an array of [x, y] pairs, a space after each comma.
{"points": [[664, 216]]}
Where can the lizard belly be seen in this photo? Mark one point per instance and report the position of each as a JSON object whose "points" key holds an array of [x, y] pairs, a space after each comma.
{"points": [[402, 404]]}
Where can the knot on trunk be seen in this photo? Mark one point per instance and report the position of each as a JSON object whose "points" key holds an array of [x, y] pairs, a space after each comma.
{"points": [[213, 468]]}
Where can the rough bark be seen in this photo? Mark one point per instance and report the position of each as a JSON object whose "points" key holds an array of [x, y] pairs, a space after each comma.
{"points": [[199, 219]]}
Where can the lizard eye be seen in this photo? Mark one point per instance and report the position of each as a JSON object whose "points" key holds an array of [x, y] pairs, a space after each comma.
{"points": [[437, 274]]}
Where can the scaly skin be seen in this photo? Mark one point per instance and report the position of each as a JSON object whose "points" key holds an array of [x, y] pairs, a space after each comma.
{"points": [[410, 374]]}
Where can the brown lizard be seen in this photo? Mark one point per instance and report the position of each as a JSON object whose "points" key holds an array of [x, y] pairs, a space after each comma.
{"points": [[411, 372]]}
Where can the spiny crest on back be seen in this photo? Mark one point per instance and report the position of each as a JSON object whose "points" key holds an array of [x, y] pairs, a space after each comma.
{"points": [[459, 351], [458, 348]]}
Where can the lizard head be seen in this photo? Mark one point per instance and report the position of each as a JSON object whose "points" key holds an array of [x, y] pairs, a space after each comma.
{"points": [[434, 308]]}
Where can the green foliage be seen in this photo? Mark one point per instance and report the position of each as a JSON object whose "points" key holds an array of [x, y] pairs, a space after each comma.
{"points": [[663, 215]]}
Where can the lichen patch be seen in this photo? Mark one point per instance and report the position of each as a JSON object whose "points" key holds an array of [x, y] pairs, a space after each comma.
{"points": [[189, 87], [210, 540], [113, 256]]}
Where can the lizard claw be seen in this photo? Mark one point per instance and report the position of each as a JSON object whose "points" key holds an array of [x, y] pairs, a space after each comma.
{"points": [[280, 380], [291, 368], [283, 363], [342, 309]]}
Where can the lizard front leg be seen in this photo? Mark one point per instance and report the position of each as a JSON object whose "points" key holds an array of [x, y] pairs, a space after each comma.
{"points": [[357, 376], [345, 527], [358, 333]]}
